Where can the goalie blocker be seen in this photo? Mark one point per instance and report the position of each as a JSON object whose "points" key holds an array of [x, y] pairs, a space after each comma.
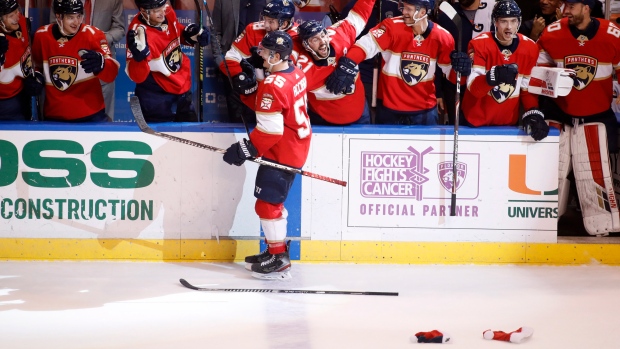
{"points": [[551, 82]]}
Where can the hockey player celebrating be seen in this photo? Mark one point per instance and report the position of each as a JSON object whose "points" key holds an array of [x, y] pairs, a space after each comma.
{"points": [[16, 74], [157, 65], [411, 46], [321, 50], [277, 15], [500, 77], [73, 57], [588, 129], [282, 135]]}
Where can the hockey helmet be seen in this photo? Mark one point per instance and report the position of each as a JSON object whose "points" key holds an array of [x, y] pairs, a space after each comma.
{"points": [[279, 9], [301, 3], [67, 7], [150, 4], [506, 9], [429, 5], [8, 6], [309, 29], [278, 41]]}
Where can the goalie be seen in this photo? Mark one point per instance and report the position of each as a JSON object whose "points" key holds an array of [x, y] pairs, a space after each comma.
{"points": [[588, 128], [502, 64]]}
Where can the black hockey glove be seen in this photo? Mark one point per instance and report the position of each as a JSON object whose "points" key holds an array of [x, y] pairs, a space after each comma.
{"points": [[33, 84], [506, 73], [238, 152], [342, 80], [92, 61], [137, 45], [255, 59], [535, 125], [196, 35], [461, 63], [4, 46], [245, 83]]}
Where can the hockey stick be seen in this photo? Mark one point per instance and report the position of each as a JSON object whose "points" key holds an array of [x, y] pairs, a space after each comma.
{"points": [[217, 51], [446, 8], [200, 67], [144, 127], [271, 290], [34, 104]]}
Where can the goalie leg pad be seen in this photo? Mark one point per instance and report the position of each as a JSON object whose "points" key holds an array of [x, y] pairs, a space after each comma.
{"points": [[593, 179], [564, 166]]}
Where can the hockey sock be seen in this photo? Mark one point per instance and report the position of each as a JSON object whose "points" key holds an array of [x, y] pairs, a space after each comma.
{"points": [[514, 337], [277, 247], [433, 336]]}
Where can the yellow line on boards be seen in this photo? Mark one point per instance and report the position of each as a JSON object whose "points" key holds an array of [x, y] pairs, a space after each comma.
{"points": [[230, 250]]}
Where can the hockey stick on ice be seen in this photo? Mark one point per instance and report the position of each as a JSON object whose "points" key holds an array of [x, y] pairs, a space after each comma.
{"points": [[271, 290], [446, 8], [144, 127], [200, 67]]}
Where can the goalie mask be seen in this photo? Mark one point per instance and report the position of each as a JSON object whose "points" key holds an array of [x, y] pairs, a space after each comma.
{"points": [[313, 34], [276, 42], [281, 10]]}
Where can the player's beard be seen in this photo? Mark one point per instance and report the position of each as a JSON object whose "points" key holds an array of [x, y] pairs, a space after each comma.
{"points": [[575, 20]]}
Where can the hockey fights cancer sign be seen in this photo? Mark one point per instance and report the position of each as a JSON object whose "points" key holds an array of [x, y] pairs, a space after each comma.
{"points": [[409, 181]]}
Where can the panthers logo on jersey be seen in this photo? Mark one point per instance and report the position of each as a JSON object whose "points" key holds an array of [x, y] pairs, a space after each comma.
{"points": [[26, 63], [173, 56], [502, 92], [584, 67], [62, 71], [414, 67]]}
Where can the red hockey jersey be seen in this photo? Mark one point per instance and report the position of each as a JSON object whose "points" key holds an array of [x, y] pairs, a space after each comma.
{"points": [[17, 62], [283, 129], [342, 108], [594, 61], [71, 93], [169, 66], [251, 36], [498, 105], [408, 75]]}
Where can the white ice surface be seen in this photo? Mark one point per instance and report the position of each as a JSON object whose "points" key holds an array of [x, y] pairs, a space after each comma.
{"points": [[134, 305]]}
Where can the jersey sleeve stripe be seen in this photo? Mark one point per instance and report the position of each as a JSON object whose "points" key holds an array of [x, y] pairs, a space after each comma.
{"points": [[270, 123], [357, 21]]}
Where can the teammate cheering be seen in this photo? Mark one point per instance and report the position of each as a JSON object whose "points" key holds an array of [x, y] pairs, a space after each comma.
{"points": [[277, 15], [323, 48], [588, 128], [411, 46], [156, 63], [15, 65], [282, 135], [73, 57], [500, 77]]}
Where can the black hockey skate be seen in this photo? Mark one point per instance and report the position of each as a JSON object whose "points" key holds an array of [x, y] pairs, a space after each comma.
{"points": [[262, 257], [276, 268]]}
